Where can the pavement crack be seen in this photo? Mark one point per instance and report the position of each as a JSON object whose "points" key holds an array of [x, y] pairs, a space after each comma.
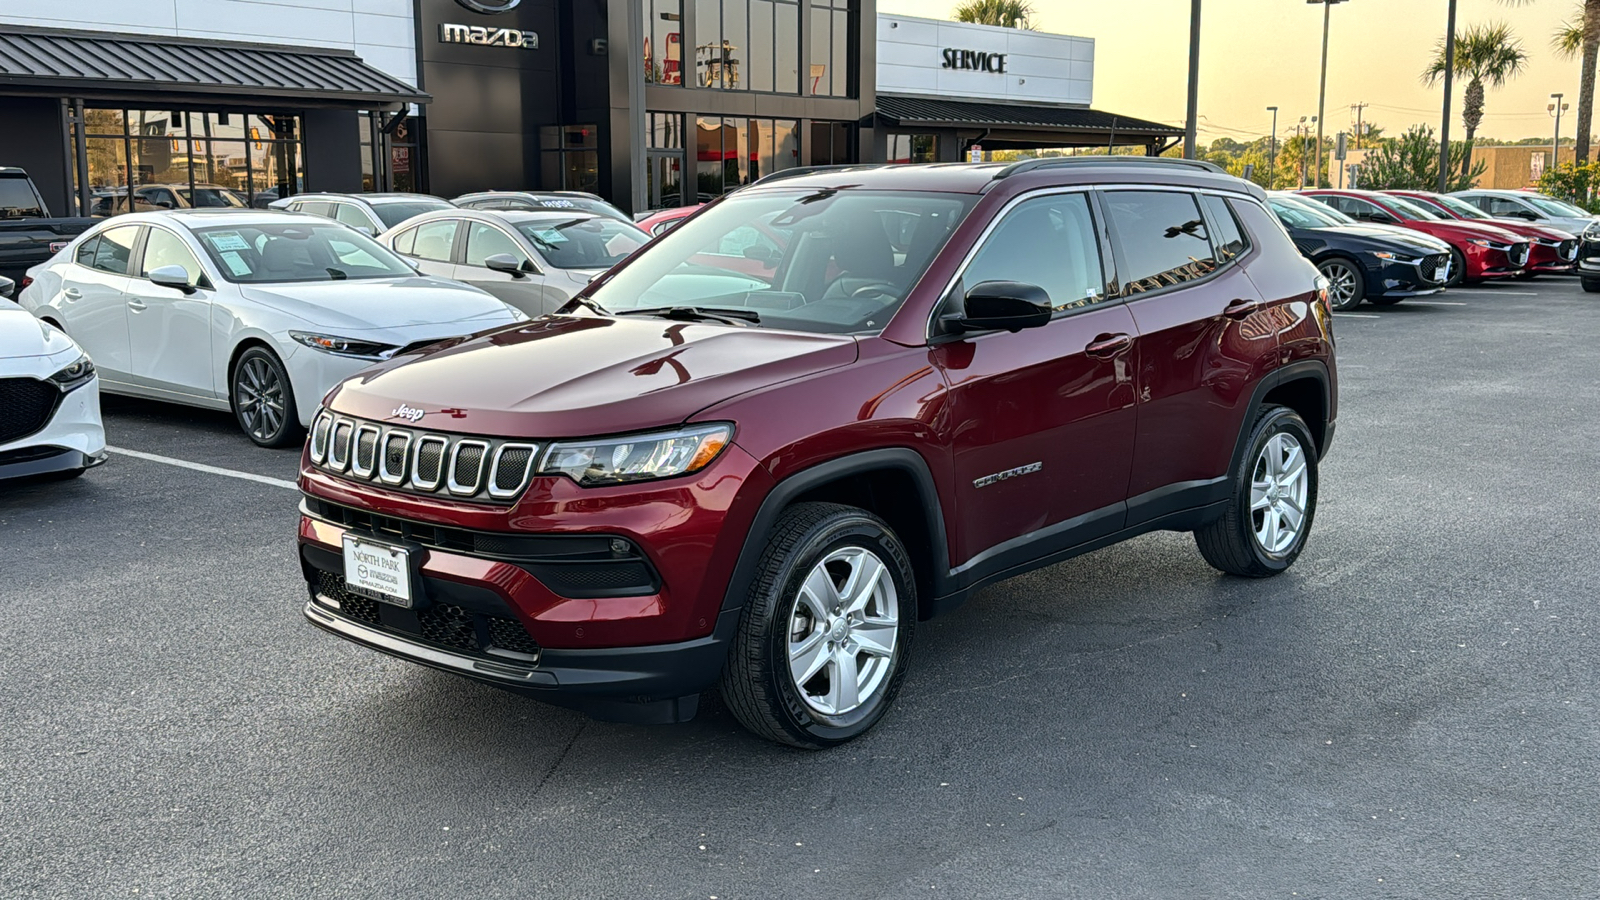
{"points": [[560, 758]]}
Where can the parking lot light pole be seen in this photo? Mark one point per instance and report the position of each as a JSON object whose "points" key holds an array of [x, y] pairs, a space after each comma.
{"points": [[1322, 91], [1556, 108], [1449, 75], [1193, 121], [1272, 151]]}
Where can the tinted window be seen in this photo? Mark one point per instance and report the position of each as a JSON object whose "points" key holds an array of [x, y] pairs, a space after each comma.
{"points": [[1049, 242], [86, 251], [114, 249], [1227, 239], [1162, 238], [436, 240], [17, 199], [351, 215], [297, 252], [484, 241], [392, 214], [163, 248]]}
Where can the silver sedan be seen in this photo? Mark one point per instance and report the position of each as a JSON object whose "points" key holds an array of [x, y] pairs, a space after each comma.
{"points": [[533, 260]]}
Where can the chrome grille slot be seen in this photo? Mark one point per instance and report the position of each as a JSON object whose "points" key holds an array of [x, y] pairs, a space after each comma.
{"points": [[428, 468], [509, 472], [339, 447], [396, 454], [365, 457], [319, 437], [466, 466]]}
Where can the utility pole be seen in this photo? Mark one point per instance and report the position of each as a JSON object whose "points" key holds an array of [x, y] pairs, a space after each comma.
{"points": [[1556, 107], [1194, 81], [1322, 91], [1299, 135], [1359, 108], [1272, 151], [1449, 75]]}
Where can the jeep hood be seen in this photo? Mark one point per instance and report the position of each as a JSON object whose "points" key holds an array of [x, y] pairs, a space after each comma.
{"points": [[570, 376]]}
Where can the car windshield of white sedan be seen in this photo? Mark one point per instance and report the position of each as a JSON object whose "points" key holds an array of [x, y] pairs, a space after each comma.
{"points": [[831, 261], [591, 242], [276, 253], [1557, 208]]}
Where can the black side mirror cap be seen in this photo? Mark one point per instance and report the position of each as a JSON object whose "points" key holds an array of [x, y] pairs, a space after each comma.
{"points": [[1002, 306]]}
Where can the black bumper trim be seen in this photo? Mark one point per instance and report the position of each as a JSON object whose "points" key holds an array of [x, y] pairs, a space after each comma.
{"points": [[62, 461]]}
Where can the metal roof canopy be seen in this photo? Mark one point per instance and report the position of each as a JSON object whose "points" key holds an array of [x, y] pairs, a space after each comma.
{"points": [[154, 68], [1023, 124]]}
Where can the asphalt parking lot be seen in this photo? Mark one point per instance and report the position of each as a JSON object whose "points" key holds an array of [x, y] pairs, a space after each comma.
{"points": [[1410, 712]]}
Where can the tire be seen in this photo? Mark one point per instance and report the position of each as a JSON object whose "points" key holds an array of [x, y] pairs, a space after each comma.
{"points": [[824, 545], [1458, 269], [1236, 544], [263, 400], [1590, 285], [1347, 285]]}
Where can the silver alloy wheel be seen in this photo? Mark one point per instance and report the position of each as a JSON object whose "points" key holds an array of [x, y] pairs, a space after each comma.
{"points": [[843, 629], [1341, 285], [258, 395], [1278, 491]]}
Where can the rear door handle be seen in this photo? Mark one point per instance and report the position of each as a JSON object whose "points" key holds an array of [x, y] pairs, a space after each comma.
{"points": [[136, 305], [72, 294], [1108, 345], [1239, 309]]}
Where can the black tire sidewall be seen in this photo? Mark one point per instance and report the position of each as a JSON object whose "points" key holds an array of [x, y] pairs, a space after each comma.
{"points": [[1276, 420], [1590, 285], [1458, 268], [843, 530], [1353, 269], [291, 410]]}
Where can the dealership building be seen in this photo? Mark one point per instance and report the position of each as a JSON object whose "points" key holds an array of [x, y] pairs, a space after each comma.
{"points": [[112, 105]]}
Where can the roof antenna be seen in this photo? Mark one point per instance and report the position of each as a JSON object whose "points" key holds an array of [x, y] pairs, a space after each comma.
{"points": [[1111, 147]]}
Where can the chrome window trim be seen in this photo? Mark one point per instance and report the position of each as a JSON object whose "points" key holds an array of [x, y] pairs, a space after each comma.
{"points": [[522, 482], [334, 462], [456, 487], [394, 479], [355, 449], [417, 480]]}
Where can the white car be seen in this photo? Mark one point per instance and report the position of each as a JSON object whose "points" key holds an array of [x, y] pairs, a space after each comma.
{"points": [[1536, 208], [256, 312], [49, 399]]}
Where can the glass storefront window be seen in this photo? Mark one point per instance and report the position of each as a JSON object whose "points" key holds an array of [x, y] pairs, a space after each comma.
{"points": [[663, 36], [570, 158], [830, 48], [913, 148], [746, 45]]}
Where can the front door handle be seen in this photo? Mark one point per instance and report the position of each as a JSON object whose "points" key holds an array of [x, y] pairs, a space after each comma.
{"points": [[72, 294], [1108, 345], [1239, 309], [136, 305]]}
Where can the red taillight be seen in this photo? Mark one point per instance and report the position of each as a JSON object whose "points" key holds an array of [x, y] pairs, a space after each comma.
{"points": [[23, 285]]}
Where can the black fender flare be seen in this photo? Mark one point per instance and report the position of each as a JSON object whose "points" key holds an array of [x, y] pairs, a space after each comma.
{"points": [[1317, 371]]}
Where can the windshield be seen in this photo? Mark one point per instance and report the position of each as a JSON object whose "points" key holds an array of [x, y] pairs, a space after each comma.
{"points": [[580, 203], [1557, 208], [837, 262], [302, 251], [1413, 209], [1306, 215], [392, 214], [587, 243], [1460, 207], [213, 198]]}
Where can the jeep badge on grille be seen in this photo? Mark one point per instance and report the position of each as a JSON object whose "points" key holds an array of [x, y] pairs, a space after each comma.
{"points": [[408, 413]]}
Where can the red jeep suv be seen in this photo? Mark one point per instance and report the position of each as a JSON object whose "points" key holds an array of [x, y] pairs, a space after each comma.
{"points": [[753, 459]]}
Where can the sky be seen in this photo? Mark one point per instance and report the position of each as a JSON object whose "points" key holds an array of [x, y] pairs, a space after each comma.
{"points": [[1260, 53]]}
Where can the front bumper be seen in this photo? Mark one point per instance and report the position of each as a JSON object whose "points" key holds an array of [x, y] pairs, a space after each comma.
{"points": [[1394, 278], [72, 438], [1552, 258]]}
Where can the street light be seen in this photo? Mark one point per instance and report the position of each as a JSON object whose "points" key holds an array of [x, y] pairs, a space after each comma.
{"points": [[1449, 75], [1301, 131], [1192, 122], [1272, 151], [1322, 92], [1556, 108]]}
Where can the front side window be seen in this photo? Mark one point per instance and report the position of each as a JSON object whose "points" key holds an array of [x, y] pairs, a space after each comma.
{"points": [[1048, 242], [298, 252], [845, 262], [587, 243], [484, 241], [436, 240], [163, 248], [114, 249], [1161, 237], [316, 208], [350, 215], [1502, 206]]}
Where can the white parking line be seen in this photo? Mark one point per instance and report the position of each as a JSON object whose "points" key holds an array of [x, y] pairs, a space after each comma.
{"points": [[1356, 316], [202, 467], [1495, 293], [1435, 303]]}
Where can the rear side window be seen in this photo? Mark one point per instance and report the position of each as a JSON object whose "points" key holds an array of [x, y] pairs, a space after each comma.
{"points": [[436, 240], [351, 216], [1161, 237], [405, 241], [1049, 242], [86, 250], [1227, 239], [114, 249]]}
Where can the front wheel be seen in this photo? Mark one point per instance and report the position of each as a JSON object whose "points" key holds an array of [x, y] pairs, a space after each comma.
{"points": [[1591, 285], [263, 399], [1274, 500], [826, 632], [1458, 269], [1346, 285]]}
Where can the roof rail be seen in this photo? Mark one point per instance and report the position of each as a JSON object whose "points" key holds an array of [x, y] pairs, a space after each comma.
{"points": [[1029, 165], [813, 170]]}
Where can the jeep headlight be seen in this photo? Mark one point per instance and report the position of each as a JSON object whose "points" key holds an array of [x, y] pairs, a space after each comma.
{"points": [[637, 457]]}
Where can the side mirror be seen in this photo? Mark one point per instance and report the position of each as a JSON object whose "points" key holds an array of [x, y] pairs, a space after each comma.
{"points": [[504, 263], [764, 255], [1002, 306], [6, 287], [172, 277], [367, 230], [1529, 215], [164, 204]]}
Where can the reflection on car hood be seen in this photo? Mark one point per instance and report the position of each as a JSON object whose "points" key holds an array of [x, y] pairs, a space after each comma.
{"points": [[385, 303], [1392, 234], [566, 376], [21, 335]]}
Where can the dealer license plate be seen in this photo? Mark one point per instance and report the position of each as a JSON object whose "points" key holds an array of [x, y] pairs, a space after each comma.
{"points": [[379, 571]]}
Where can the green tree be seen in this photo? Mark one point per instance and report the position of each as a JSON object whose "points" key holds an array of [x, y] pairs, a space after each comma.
{"points": [[1488, 56], [1573, 182], [1411, 163], [1581, 39], [1004, 13]]}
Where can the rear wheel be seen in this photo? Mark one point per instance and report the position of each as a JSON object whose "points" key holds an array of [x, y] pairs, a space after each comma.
{"points": [[1346, 285], [1274, 500], [1591, 285], [1458, 269], [826, 632], [263, 399]]}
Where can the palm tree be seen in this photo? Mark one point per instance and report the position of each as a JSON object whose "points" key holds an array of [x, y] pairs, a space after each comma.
{"points": [[1004, 13], [1582, 39], [1488, 56]]}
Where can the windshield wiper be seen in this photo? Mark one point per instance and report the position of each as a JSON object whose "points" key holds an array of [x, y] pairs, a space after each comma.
{"points": [[586, 303], [732, 316]]}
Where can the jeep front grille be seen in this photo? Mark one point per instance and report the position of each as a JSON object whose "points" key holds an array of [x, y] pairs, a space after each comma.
{"points": [[422, 462]]}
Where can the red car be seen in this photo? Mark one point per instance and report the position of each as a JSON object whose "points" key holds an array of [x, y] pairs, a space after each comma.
{"points": [[662, 220], [694, 478], [1551, 251], [1479, 251]]}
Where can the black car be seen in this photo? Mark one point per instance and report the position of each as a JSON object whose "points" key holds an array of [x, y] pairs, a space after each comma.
{"points": [[1588, 267], [1363, 262]]}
